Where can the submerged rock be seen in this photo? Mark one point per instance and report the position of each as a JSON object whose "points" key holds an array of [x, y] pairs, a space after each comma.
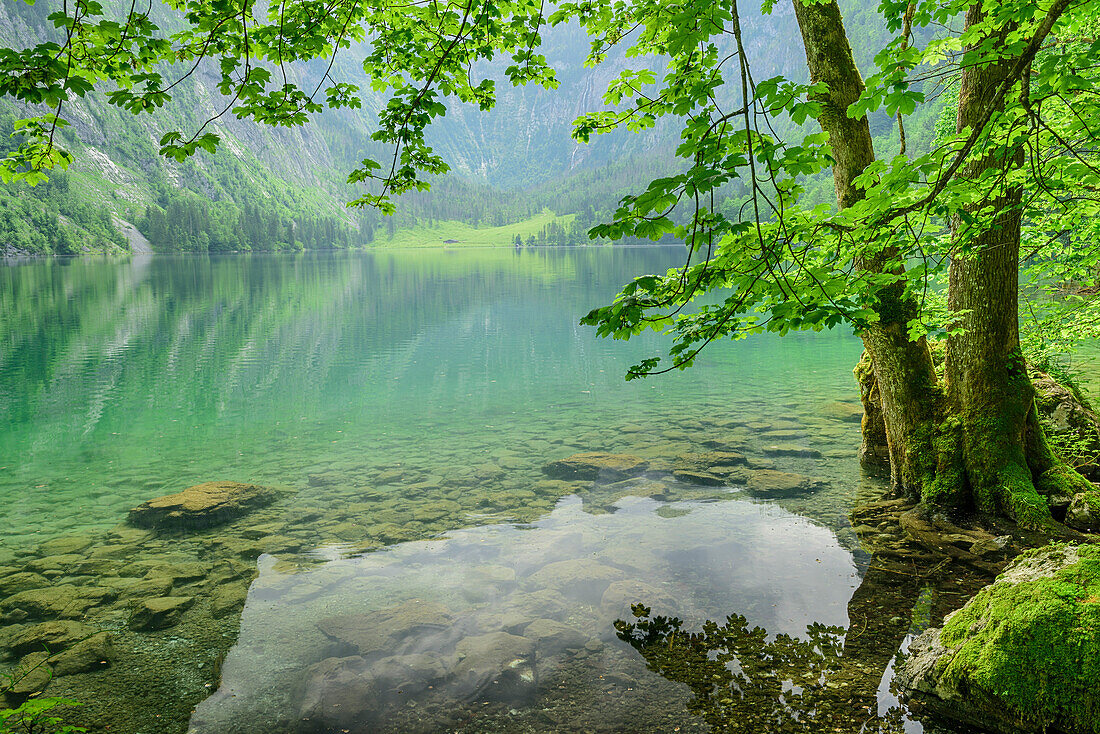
{"points": [[844, 412], [621, 595], [699, 477], [580, 578], [551, 637], [87, 655], [202, 506], [596, 465], [21, 581], [791, 449], [388, 630], [496, 667], [161, 612], [51, 637], [771, 483], [31, 675], [65, 601], [1024, 654]]}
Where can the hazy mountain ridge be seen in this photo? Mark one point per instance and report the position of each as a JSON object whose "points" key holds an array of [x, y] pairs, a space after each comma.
{"points": [[292, 175]]}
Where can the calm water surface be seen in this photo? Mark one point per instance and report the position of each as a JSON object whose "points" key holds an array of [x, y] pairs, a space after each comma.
{"points": [[423, 574]]}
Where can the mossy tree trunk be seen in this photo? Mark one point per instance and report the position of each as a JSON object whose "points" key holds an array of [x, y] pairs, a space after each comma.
{"points": [[973, 441], [1007, 463], [903, 396]]}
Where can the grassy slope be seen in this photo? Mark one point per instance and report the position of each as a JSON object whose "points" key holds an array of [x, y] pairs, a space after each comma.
{"points": [[469, 236]]}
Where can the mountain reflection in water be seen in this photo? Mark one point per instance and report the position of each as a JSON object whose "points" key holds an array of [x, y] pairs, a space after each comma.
{"points": [[512, 628]]}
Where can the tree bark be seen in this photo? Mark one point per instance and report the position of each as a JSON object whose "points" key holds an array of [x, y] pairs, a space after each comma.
{"points": [[904, 376], [988, 389], [973, 442]]}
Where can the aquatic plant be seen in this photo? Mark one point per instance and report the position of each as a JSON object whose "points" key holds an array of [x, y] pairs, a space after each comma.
{"points": [[33, 716]]}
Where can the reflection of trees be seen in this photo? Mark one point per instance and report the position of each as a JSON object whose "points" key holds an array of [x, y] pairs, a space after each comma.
{"points": [[744, 680]]}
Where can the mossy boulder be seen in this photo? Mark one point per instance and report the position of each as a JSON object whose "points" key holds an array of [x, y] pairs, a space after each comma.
{"points": [[94, 653], [21, 581], [1024, 654], [65, 601], [596, 465], [202, 506], [1072, 426], [1083, 512], [771, 483]]}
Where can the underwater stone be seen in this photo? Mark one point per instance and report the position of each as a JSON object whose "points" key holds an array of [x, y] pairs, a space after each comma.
{"points": [[494, 667], [844, 412], [161, 612], [54, 563], [22, 581], [620, 595], [350, 693], [32, 675], [64, 545], [697, 477], [130, 588], [580, 578], [64, 600], [790, 449], [338, 692], [381, 631], [228, 599], [596, 465], [771, 483], [1024, 654], [551, 637], [49, 637], [202, 506], [91, 654]]}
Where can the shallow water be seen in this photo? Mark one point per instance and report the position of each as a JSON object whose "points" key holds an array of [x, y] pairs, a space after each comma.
{"points": [[398, 396]]}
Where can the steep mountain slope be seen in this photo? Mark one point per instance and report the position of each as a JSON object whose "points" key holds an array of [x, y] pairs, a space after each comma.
{"points": [[285, 188]]}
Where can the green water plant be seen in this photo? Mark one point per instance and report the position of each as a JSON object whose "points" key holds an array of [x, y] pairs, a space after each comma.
{"points": [[35, 715]]}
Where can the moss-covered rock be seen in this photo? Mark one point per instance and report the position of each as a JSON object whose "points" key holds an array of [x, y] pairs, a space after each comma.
{"points": [[771, 483], [94, 653], [1083, 512], [1024, 654], [596, 465], [161, 612], [51, 637], [1072, 426], [202, 506]]}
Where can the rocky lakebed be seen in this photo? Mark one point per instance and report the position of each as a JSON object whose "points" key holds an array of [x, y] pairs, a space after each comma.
{"points": [[415, 597]]}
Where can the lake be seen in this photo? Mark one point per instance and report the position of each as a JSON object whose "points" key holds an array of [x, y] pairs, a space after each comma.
{"points": [[426, 568]]}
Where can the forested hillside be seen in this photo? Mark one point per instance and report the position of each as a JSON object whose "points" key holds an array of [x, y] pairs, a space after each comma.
{"points": [[278, 188]]}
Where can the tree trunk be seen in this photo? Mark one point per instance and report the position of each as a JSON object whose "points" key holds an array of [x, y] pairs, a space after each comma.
{"points": [[904, 376], [979, 446], [1004, 452]]}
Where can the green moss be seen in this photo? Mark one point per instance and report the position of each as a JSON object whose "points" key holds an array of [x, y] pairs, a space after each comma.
{"points": [[1034, 645], [1061, 481], [943, 475]]}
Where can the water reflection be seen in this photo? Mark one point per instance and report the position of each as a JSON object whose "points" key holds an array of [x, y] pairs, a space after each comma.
{"points": [[746, 679], [511, 628]]}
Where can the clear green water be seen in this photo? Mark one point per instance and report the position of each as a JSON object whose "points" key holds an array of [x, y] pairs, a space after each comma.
{"points": [[125, 380], [407, 402]]}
